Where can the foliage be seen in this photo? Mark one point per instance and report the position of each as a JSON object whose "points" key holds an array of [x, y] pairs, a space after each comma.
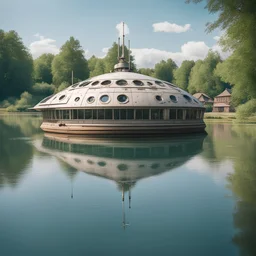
{"points": [[164, 70], [42, 89], [181, 74], [247, 109], [92, 63], [43, 68], [99, 68], [71, 58], [16, 65], [202, 77], [146, 71], [238, 20], [62, 86], [26, 101]]}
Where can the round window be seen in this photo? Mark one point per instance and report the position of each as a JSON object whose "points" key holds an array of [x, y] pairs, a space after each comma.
{"points": [[160, 83], [77, 99], [149, 83], [91, 99], [62, 97], [95, 83], [106, 82], [173, 98], [187, 98], [84, 84], [159, 98], [122, 98], [121, 82], [104, 98], [74, 85], [138, 82]]}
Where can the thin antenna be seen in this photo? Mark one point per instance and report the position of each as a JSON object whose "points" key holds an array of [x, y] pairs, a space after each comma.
{"points": [[129, 54], [72, 76], [123, 42], [130, 197], [118, 51]]}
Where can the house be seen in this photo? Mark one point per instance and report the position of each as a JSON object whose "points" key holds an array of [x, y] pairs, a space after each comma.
{"points": [[222, 102], [203, 98]]}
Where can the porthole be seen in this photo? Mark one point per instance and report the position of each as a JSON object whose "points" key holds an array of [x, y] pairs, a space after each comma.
{"points": [[173, 98], [138, 82], [149, 83], [95, 83], [77, 99], [187, 98], [122, 98], [84, 84], [122, 167], [102, 163], [104, 98], [91, 99], [62, 97], [90, 161], [106, 82], [160, 83], [74, 85], [159, 98], [121, 82]]}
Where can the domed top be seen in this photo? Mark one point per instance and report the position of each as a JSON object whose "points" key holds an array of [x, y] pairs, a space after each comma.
{"points": [[117, 89]]}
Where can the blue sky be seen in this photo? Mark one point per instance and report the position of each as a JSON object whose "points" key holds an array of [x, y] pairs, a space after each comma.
{"points": [[93, 23]]}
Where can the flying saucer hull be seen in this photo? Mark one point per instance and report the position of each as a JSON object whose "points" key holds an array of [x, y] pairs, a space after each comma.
{"points": [[128, 129]]}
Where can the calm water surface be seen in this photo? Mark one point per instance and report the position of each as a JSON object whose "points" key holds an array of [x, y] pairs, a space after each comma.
{"points": [[189, 195]]}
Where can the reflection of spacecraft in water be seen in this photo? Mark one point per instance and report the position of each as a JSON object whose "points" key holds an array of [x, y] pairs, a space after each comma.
{"points": [[123, 160]]}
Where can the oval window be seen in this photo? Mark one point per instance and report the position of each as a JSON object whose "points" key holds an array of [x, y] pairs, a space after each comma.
{"points": [[104, 98], [149, 83], [84, 84], [91, 99], [95, 83], [106, 82], [121, 82], [77, 99], [74, 85], [160, 83], [122, 98], [62, 97], [138, 82], [122, 167], [187, 98], [159, 98], [173, 98]]}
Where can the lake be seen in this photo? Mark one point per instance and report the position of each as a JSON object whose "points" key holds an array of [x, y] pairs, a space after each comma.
{"points": [[183, 195]]}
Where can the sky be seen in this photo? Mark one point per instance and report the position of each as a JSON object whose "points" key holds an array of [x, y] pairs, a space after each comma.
{"points": [[157, 29]]}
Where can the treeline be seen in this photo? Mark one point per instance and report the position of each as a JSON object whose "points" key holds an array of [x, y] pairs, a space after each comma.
{"points": [[25, 81]]}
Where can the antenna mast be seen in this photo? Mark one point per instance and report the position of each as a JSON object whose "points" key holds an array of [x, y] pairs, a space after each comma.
{"points": [[129, 54], [123, 42], [118, 47]]}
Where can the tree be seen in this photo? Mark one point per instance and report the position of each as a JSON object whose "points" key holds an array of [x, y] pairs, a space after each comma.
{"points": [[112, 58], [99, 68], [238, 20], [165, 69], [181, 74], [202, 76], [16, 65], [92, 63], [146, 71], [43, 68], [71, 58]]}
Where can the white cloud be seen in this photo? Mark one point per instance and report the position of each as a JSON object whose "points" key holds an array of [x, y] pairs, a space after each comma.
{"points": [[189, 51], [217, 38], [119, 28], [170, 27], [43, 45]]}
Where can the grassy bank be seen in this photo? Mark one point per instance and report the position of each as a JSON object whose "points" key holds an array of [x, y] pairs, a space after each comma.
{"points": [[227, 117]]}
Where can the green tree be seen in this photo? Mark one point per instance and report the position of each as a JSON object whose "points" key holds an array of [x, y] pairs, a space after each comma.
{"points": [[71, 58], [238, 20], [165, 69], [99, 68], [202, 76], [43, 68], [112, 58], [92, 63], [16, 65], [146, 71], [182, 73]]}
